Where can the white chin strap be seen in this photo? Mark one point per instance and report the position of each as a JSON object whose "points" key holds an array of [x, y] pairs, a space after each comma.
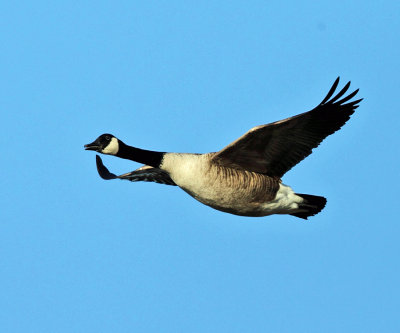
{"points": [[112, 148]]}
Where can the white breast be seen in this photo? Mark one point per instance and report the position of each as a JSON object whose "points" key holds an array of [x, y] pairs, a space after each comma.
{"points": [[188, 171], [195, 175]]}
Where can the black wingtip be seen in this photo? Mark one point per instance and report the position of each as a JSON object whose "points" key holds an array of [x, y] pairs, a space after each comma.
{"points": [[340, 93], [331, 91], [337, 98], [102, 170]]}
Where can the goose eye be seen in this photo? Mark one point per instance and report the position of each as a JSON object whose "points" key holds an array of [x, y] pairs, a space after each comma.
{"points": [[108, 138]]}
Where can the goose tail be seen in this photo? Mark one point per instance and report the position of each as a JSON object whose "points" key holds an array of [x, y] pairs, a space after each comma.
{"points": [[311, 205]]}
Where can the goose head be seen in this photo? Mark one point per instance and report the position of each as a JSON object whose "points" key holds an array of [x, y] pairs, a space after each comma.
{"points": [[105, 144]]}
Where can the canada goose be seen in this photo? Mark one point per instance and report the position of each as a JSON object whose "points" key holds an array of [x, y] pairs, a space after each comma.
{"points": [[244, 178]]}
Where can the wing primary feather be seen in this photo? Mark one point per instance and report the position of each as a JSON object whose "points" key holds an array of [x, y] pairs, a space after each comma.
{"points": [[340, 94], [349, 97], [354, 104], [103, 171], [331, 91]]}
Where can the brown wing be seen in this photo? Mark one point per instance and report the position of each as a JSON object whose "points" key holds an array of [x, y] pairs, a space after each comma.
{"points": [[145, 173], [273, 149]]}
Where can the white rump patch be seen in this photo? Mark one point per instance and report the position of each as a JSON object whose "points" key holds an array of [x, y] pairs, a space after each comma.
{"points": [[112, 148], [286, 201]]}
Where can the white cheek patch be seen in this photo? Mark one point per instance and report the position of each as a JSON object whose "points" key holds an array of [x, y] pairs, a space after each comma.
{"points": [[112, 148]]}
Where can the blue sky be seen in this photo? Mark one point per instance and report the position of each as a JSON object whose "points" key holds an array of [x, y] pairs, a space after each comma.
{"points": [[79, 254]]}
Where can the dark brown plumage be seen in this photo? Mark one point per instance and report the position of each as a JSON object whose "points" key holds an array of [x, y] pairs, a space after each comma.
{"points": [[273, 149]]}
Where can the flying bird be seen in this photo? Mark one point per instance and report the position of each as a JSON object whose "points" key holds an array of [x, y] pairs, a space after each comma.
{"points": [[244, 178]]}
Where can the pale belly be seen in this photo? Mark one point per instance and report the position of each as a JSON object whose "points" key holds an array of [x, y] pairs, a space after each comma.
{"points": [[240, 203]]}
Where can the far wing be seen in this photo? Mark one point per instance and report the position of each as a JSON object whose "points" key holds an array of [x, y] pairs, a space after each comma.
{"points": [[273, 149], [145, 173]]}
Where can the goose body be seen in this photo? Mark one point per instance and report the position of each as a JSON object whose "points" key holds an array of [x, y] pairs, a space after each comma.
{"points": [[230, 190], [244, 178]]}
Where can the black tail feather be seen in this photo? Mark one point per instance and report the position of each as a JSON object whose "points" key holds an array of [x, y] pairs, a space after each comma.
{"points": [[311, 206]]}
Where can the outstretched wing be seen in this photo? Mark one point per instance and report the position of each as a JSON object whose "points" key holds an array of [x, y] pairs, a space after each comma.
{"points": [[273, 149], [145, 173]]}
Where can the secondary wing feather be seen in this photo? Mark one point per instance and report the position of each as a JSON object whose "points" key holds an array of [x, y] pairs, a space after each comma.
{"points": [[273, 149]]}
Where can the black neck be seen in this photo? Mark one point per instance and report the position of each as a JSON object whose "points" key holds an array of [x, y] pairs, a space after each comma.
{"points": [[148, 157]]}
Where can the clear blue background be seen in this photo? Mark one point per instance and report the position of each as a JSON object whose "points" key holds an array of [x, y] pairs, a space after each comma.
{"points": [[79, 254]]}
